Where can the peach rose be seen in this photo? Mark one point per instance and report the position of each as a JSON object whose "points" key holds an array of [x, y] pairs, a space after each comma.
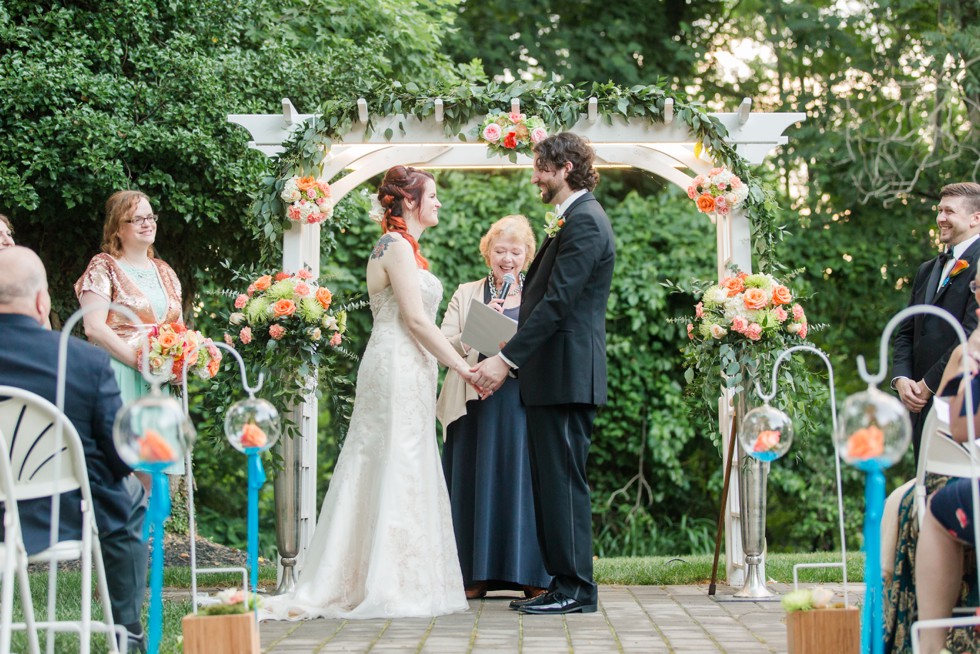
{"points": [[253, 436], [250, 290], [167, 340], [690, 331], [282, 275], [301, 289], [781, 295], [739, 324], [277, 332], [754, 331], [706, 203], [304, 274], [803, 330], [735, 285], [717, 331], [755, 298], [245, 335], [767, 440], [241, 301], [306, 183], [335, 339], [866, 443], [263, 282], [324, 296], [229, 340], [798, 314], [699, 310], [780, 314], [284, 308]]}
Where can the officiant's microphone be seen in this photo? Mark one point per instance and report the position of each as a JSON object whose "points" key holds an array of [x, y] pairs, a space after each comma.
{"points": [[505, 288]]}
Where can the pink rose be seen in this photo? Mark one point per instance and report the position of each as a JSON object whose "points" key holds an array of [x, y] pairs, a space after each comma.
{"points": [[229, 340], [335, 339], [516, 117], [803, 330], [699, 309], [250, 289], [277, 332], [692, 192], [246, 335], [492, 132], [538, 134], [241, 301], [304, 274], [721, 205], [754, 331], [311, 194], [690, 331], [293, 213], [739, 324], [735, 182], [798, 312], [301, 289], [715, 171], [780, 314]]}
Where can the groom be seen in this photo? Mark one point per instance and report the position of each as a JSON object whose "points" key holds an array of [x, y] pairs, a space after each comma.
{"points": [[559, 356]]}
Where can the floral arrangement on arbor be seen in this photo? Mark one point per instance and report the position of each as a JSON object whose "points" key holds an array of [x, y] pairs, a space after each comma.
{"points": [[718, 192], [172, 346], [740, 325], [511, 133], [308, 200]]}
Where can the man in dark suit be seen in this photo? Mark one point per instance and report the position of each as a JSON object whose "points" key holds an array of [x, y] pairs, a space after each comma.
{"points": [[559, 354], [29, 360], [924, 343]]}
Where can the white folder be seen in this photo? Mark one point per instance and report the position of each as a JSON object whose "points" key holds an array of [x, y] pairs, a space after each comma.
{"points": [[486, 329]]}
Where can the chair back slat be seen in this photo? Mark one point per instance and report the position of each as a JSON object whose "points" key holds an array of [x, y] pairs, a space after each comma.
{"points": [[32, 424]]}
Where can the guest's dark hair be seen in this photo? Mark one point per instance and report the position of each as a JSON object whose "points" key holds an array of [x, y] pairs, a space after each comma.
{"points": [[402, 183], [555, 150], [968, 190]]}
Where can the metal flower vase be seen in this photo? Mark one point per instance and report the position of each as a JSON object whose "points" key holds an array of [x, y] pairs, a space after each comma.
{"points": [[288, 493], [752, 480]]}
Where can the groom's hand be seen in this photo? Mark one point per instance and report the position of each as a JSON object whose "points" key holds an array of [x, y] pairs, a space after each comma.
{"points": [[490, 374]]}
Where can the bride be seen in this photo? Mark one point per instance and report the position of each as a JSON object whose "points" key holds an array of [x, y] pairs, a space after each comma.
{"points": [[384, 544]]}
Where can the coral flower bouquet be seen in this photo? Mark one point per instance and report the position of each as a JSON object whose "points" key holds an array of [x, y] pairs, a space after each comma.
{"points": [[718, 193], [308, 200], [509, 133], [173, 346], [738, 323]]}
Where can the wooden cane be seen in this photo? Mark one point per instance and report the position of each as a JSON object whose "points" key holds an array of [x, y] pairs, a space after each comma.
{"points": [[724, 502]]}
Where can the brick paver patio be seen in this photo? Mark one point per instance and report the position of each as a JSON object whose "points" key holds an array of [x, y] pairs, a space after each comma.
{"points": [[642, 619]]}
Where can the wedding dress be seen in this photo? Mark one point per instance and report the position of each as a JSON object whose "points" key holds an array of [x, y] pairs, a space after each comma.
{"points": [[384, 545]]}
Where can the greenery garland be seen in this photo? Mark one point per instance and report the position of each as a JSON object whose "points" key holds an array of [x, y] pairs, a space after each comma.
{"points": [[558, 105]]}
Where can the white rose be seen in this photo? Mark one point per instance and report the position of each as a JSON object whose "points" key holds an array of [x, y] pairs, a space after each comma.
{"points": [[716, 295], [717, 331], [793, 328], [290, 192], [236, 318], [821, 598]]}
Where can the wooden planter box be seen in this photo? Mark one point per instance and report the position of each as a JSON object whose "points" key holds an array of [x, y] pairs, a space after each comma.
{"points": [[221, 634], [820, 631]]}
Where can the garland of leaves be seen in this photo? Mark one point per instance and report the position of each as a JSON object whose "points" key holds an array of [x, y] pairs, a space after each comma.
{"points": [[559, 105]]}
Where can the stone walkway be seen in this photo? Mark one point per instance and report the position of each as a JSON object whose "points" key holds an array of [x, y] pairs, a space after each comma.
{"points": [[642, 619]]}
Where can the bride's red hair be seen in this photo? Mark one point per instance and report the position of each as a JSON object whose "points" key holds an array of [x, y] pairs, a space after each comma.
{"points": [[402, 183]]}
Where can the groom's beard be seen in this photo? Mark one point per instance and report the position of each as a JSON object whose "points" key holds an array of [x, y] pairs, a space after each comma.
{"points": [[548, 192]]}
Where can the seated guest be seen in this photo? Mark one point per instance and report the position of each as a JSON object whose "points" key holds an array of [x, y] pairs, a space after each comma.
{"points": [[6, 232], [29, 360]]}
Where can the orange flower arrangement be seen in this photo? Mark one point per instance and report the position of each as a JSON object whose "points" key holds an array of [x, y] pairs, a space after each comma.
{"points": [[173, 346], [866, 443]]}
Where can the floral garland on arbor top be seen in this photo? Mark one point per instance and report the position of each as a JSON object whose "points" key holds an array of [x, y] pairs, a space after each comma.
{"points": [[555, 105]]}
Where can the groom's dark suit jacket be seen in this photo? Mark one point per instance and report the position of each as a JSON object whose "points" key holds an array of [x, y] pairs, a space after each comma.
{"points": [[560, 344], [29, 360]]}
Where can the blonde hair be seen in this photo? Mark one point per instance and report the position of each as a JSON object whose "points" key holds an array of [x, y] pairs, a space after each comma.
{"points": [[515, 226], [120, 207]]}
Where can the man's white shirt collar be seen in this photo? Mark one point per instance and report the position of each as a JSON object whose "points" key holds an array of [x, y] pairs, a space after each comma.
{"points": [[561, 208], [961, 247]]}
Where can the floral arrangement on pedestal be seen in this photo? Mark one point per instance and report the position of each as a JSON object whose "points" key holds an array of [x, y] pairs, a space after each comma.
{"points": [[172, 347], [740, 325], [232, 601], [286, 325], [308, 200], [511, 133]]}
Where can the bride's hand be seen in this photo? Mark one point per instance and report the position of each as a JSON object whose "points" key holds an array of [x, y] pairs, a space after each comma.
{"points": [[470, 377]]}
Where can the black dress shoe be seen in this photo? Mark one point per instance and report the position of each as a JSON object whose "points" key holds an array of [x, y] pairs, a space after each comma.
{"points": [[518, 603], [557, 604]]}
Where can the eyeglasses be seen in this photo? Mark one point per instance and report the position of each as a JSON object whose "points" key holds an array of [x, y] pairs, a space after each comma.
{"points": [[973, 286], [142, 220]]}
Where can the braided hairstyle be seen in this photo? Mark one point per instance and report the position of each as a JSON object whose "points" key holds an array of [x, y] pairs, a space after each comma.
{"points": [[402, 183]]}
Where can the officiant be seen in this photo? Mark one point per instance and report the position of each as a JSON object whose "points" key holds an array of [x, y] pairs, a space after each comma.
{"points": [[485, 456]]}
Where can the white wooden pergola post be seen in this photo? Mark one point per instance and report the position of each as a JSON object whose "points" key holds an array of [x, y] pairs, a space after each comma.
{"points": [[664, 149]]}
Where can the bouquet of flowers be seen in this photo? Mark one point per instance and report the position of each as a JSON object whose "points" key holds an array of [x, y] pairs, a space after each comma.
{"points": [[173, 346], [511, 133], [286, 310], [718, 192], [232, 601], [308, 199]]}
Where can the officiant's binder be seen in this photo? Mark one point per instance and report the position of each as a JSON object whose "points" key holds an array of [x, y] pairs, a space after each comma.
{"points": [[486, 329]]}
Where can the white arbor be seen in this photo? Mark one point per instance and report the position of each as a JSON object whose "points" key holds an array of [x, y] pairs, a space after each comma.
{"points": [[665, 149]]}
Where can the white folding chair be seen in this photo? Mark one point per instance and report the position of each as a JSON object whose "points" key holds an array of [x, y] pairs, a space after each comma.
{"points": [[14, 558], [941, 455], [34, 429]]}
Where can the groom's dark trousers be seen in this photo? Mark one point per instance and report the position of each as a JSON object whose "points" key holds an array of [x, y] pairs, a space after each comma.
{"points": [[560, 352], [29, 360]]}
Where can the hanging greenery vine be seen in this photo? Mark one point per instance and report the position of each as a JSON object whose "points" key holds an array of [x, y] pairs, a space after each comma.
{"points": [[559, 105]]}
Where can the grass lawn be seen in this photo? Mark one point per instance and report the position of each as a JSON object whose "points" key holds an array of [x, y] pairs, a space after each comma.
{"points": [[655, 571]]}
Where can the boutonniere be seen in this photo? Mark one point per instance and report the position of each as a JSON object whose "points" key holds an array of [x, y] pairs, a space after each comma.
{"points": [[958, 267], [553, 223]]}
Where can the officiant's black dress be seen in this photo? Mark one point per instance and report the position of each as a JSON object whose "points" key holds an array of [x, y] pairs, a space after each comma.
{"points": [[485, 460]]}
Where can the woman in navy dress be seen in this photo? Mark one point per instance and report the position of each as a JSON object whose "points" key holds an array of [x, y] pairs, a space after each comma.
{"points": [[485, 457]]}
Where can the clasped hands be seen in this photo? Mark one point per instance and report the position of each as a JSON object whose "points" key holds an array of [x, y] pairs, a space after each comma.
{"points": [[488, 375], [913, 394]]}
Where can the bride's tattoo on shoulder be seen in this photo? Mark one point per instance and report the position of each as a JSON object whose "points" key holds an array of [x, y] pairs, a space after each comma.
{"points": [[381, 246]]}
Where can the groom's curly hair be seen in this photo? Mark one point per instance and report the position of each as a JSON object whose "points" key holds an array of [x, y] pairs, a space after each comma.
{"points": [[402, 183], [554, 151]]}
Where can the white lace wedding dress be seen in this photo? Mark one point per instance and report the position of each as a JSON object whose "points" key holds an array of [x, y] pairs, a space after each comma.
{"points": [[384, 544]]}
